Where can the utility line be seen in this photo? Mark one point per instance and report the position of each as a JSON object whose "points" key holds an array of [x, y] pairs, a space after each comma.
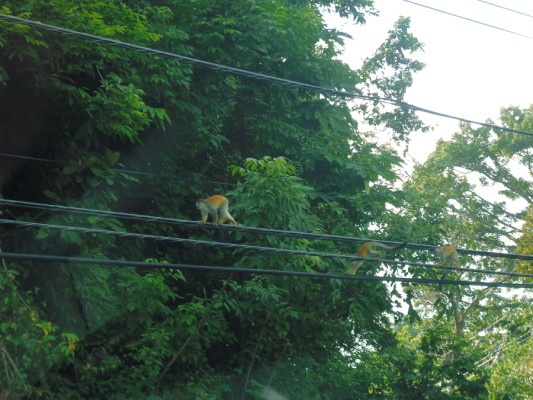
{"points": [[245, 73], [241, 228], [469, 19], [183, 178], [505, 8], [168, 176], [36, 159], [70, 163], [159, 175], [254, 248], [498, 349], [502, 345], [153, 174], [123, 263], [121, 170], [524, 338]]}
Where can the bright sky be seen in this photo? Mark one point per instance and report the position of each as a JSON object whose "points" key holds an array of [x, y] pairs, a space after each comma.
{"points": [[471, 70]]}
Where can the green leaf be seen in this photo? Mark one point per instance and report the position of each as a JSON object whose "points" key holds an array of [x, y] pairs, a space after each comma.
{"points": [[69, 170], [94, 182], [41, 234], [51, 195]]}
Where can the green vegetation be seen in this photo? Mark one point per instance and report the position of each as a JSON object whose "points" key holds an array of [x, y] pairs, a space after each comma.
{"points": [[132, 132]]}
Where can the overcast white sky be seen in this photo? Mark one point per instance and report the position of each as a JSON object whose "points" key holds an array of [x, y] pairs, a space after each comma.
{"points": [[471, 70]]}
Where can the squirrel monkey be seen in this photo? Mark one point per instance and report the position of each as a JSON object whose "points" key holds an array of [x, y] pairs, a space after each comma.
{"points": [[367, 249], [447, 253], [217, 207]]}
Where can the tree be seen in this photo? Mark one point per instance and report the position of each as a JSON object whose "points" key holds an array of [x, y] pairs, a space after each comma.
{"points": [[148, 135], [443, 203], [525, 243]]}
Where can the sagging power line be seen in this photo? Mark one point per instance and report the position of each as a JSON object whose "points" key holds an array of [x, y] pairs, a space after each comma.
{"points": [[505, 8], [206, 268], [497, 351], [247, 229], [246, 73], [120, 170], [251, 247], [217, 183], [469, 19]]}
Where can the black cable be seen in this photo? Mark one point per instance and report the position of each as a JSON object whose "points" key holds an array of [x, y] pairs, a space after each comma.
{"points": [[469, 19], [123, 263], [246, 73], [505, 8], [153, 174], [121, 170], [254, 248], [183, 178], [247, 229], [36, 159]]}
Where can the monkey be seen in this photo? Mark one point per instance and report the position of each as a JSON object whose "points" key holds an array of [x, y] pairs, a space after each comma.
{"points": [[217, 207], [447, 253], [367, 248]]}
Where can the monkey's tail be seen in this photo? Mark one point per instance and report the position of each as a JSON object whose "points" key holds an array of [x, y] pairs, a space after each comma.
{"points": [[385, 246], [400, 246]]}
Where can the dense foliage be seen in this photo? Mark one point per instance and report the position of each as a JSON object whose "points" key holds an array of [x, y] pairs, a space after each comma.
{"points": [[105, 127]]}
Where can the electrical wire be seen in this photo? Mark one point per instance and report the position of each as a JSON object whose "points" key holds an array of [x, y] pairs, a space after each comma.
{"points": [[150, 174], [254, 248], [498, 349], [241, 228], [469, 19], [131, 172], [524, 338], [500, 346], [206, 268], [156, 174], [505, 8], [121, 170], [183, 178], [245, 73]]}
